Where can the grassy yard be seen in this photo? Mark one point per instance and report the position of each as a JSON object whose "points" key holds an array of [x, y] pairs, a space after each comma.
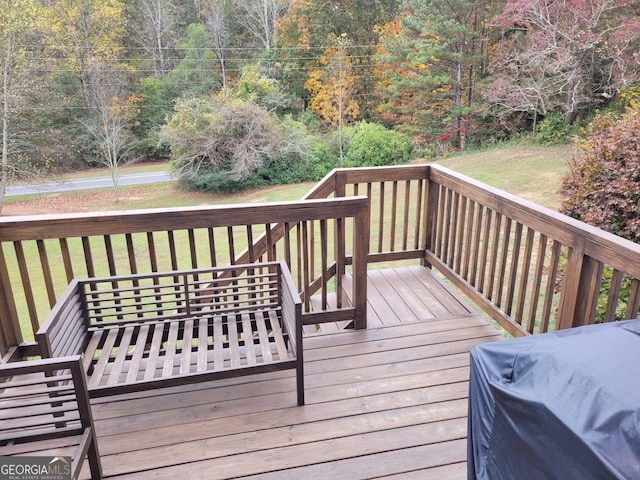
{"points": [[530, 172], [533, 173]]}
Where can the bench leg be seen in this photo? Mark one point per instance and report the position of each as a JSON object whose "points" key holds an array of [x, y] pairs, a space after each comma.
{"points": [[300, 383]]}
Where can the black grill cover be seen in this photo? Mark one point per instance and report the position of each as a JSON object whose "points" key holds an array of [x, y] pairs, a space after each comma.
{"points": [[562, 405]]}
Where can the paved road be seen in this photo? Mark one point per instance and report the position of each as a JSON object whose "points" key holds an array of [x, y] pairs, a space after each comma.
{"points": [[89, 183]]}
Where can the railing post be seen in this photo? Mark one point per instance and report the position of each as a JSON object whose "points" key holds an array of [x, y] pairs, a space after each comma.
{"points": [[360, 254], [577, 289]]}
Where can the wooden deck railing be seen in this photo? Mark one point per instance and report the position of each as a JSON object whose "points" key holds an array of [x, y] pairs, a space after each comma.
{"points": [[40, 255], [531, 269]]}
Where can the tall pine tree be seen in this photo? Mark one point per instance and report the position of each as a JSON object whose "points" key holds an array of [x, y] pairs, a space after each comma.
{"points": [[430, 64]]}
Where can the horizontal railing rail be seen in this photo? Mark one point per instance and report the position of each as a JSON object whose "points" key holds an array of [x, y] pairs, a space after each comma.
{"points": [[40, 255]]}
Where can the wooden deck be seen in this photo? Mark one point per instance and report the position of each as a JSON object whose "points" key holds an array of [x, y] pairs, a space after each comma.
{"points": [[389, 401]]}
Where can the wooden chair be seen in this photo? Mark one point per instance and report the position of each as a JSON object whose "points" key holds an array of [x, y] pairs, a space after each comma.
{"points": [[44, 408]]}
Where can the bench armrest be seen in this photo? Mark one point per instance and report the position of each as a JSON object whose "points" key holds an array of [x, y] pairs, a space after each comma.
{"points": [[64, 331]]}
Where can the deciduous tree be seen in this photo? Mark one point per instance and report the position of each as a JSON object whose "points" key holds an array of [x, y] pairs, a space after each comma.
{"points": [[332, 87], [260, 18], [154, 28], [564, 56], [112, 114], [85, 33], [17, 23]]}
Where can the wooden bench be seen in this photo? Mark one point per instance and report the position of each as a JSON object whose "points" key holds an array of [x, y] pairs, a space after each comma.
{"points": [[139, 332], [44, 411]]}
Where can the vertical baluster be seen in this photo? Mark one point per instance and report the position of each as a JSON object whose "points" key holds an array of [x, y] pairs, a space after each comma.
{"points": [[493, 263], [88, 257], [441, 218], [250, 249], [405, 220], [193, 249], [108, 247], [172, 250], [131, 253], [470, 246], [26, 285], [454, 199], [272, 254], [212, 247], [554, 263], [461, 243], [634, 300], [153, 258], [537, 282], [46, 273], [231, 244], [518, 269], [503, 260], [299, 269], [394, 210], [287, 245], [614, 295], [381, 217], [311, 261], [595, 283], [422, 203], [488, 220], [66, 259]]}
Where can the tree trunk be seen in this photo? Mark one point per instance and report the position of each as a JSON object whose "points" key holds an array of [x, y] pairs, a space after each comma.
{"points": [[4, 173]]}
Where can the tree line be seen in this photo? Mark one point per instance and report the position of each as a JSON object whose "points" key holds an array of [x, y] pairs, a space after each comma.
{"points": [[231, 87]]}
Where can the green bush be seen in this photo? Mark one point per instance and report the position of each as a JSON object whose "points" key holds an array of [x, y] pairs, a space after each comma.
{"points": [[553, 130], [219, 181], [370, 144]]}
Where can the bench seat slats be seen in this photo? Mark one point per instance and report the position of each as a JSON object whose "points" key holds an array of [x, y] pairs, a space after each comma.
{"points": [[234, 342], [203, 344], [154, 352], [218, 347], [138, 353], [187, 347], [123, 349], [171, 349], [248, 339], [283, 354], [263, 336]]}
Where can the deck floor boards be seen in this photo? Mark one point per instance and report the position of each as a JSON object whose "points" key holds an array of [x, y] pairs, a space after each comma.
{"points": [[386, 402]]}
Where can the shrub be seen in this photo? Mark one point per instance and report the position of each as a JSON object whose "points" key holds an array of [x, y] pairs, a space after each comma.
{"points": [[553, 130], [370, 144], [602, 187], [228, 135]]}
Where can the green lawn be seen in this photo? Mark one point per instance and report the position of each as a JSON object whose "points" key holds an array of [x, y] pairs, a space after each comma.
{"points": [[531, 172]]}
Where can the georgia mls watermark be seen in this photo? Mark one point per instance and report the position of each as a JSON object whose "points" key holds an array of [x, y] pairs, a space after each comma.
{"points": [[35, 468]]}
